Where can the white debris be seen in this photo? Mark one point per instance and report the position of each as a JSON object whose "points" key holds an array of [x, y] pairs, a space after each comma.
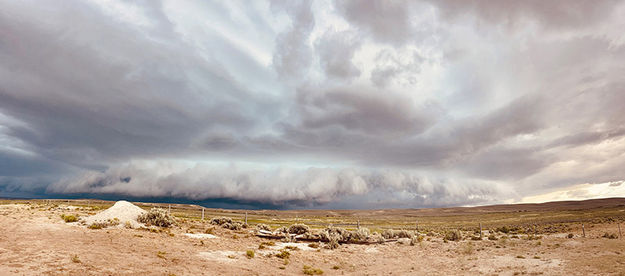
{"points": [[200, 236]]}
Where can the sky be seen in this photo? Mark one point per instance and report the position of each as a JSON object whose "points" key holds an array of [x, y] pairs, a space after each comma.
{"points": [[313, 104]]}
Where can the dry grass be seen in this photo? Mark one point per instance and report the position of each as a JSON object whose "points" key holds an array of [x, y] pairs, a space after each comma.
{"points": [[69, 218], [75, 259], [311, 270]]}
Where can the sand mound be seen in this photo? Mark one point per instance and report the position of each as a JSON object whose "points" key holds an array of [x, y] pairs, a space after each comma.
{"points": [[123, 211]]}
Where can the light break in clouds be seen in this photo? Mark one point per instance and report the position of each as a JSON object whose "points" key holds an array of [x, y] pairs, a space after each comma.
{"points": [[300, 104]]}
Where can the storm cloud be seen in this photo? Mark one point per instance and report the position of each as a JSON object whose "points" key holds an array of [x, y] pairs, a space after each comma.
{"points": [[359, 104]]}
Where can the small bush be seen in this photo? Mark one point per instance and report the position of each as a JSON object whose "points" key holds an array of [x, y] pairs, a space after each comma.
{"points": [[157, 217], [376, 237], [503, 229], [69, 218], [284, 254], [161, 254], [249, 254], [220, 221], [269, 243], [298, 229], [396, 234], [262, 226], [75, 259], [98, 225], [416, 239], [361, 234], [609, 235], [312, 271], [453, 236], [313, 245], [570, 236], [233, 226], [333, 240], [492, 237]]}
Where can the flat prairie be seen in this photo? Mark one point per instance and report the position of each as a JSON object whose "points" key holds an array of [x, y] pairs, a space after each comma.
{"points": [[555, 238]]}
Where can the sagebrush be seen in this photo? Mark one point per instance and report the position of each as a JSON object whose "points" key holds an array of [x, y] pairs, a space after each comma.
{"points": [[157, 217]]}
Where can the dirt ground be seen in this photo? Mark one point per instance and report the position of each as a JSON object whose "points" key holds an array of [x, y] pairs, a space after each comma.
{"points": [[34, 240]]}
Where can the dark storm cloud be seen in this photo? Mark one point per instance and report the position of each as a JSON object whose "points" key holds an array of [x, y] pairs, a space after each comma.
{"points": [[87, 98], [377, 103], [301, 187]]}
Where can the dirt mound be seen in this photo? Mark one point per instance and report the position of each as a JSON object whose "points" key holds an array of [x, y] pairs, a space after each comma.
{"points": [[123, 212]]}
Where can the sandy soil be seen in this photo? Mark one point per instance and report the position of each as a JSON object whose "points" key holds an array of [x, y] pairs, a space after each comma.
{"points": [[34, 240]]}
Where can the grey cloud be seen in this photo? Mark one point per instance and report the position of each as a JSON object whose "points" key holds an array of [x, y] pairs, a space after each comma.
{"points": [[88, 100], [294, 54], [387, 21], [556, 14], [280, 186], [514, 113], [336, 50], [363, 109], [389, 67]]}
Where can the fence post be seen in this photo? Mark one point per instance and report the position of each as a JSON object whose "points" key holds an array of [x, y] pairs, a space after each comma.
{"points": [[358, 224], [245, 217], [202, 213], [416, 226], [619, 230], [169, 209], [583, 231], [481, 231]]}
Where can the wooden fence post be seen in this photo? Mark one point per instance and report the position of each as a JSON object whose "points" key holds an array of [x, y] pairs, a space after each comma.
{"points": [[245, 217], [416, 226], [169, 209], [583, 231], [481, 231], [619, 230], [202, 213]]}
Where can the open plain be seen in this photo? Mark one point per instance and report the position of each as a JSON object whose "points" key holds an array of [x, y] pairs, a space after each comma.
{"points": [[523, 239]]}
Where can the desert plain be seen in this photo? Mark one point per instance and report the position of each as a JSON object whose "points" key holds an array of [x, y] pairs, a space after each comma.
{"points": [[556, 238]]}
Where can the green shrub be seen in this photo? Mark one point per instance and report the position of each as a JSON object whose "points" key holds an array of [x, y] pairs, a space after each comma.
{"points": [[249, 254], [69, 218], [98, 225]]}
